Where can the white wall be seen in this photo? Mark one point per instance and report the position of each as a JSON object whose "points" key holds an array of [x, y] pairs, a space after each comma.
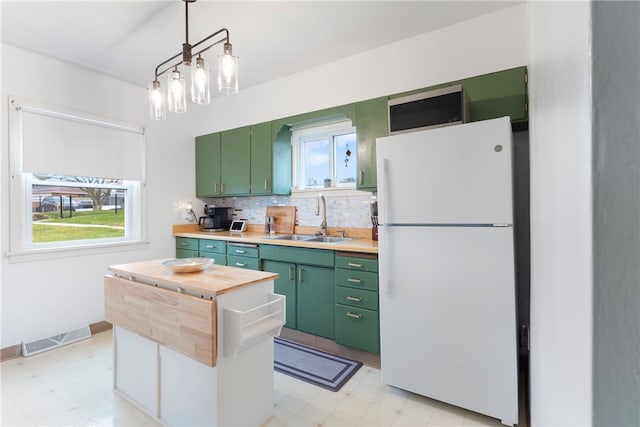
{"points": [[561, 206], [41, 298]]}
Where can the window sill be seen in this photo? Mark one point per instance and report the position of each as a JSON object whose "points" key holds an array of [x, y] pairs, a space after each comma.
{"points": [[41, 254], [328, 192]]}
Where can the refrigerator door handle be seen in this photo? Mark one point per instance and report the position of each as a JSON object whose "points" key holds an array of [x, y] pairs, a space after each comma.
{"points": [[384, 232]]}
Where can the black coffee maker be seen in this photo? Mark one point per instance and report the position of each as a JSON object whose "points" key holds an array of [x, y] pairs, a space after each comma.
{"points": [[217, 218]]}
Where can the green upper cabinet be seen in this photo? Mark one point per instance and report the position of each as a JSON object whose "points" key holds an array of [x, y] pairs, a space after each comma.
{"points": [[208, 165], [372, 121], [235, 147], [261, 155]]}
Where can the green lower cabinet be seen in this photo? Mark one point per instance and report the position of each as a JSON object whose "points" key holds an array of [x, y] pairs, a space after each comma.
{"points": [[186, 253], [220, 259], [243, 255], [186, 247], [284, 285], [316, 300], [358, 328]]}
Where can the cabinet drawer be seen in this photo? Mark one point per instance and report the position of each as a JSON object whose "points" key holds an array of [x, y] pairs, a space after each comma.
{"points": [[220, 259], [358, 328], [242, 262], [357, 279], [187, 243], [357, 298], [186, 253], [357, 263], [242, 250], [217, 246], [308, 256]]}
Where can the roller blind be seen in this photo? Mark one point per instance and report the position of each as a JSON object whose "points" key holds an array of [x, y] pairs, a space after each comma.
{"points": [[66, 144]]}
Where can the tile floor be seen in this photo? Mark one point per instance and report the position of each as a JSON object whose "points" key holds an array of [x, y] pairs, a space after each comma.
{"points": [[72, 386]]}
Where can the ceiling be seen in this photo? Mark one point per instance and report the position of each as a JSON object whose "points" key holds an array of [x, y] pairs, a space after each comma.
{"points": [[128, 39]]}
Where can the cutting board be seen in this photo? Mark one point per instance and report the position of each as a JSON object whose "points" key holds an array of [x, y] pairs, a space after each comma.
{"points": [[285, 218]]}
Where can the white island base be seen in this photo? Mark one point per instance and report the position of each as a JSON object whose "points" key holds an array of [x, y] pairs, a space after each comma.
{"points": [[178, 390]]}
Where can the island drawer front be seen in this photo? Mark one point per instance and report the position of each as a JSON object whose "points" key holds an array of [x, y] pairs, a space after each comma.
{"points": [[297, 255], [357, 279], [357, 298], [358, 328], [217, 246], [243, 262], [186, 253], [242, 250], [144, 310], [218, 258], [357, 263], [187, 243]]}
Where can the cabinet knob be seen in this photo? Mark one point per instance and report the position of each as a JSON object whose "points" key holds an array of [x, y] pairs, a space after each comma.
{"points": [[353, 264], [354, 315], [239, 264], [356, 299], [361, 177], [354, 280]]}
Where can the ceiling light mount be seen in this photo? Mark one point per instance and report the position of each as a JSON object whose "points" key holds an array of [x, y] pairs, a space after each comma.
{"points": [[200, 94]]}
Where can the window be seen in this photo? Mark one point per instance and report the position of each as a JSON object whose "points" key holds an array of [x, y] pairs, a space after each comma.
{"points": [[325, 156], [76, 181]]}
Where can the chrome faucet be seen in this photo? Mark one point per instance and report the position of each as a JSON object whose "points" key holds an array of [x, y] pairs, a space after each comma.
{"points": [[323, 224]]}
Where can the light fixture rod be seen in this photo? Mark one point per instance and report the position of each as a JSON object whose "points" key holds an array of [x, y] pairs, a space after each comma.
{"points": [[225, 39]]}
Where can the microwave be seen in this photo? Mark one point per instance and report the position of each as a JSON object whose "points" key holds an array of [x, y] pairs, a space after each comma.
{"points": [[436, 108]]}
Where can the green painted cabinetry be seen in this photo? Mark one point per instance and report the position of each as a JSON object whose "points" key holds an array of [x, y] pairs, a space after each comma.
{"points": [[186, 247], [243, 255], [214, 249], [306, 279], [261, 156], [372, 121], [285, 285], [208, 165], [235, 148], [356, 298]]}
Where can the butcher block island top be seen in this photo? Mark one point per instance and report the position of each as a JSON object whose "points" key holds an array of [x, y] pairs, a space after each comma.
{"points": [[214, 280], [177, 310]]}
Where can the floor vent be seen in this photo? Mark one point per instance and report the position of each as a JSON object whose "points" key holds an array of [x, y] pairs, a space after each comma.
{"points": [[29, 348]]}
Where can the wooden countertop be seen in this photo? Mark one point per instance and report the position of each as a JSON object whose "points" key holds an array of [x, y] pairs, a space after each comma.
{"points": [[214, 280], [357, 244]]}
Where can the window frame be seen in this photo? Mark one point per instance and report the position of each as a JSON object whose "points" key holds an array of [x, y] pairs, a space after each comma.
{"points": [[21, 247], [299, 136]]}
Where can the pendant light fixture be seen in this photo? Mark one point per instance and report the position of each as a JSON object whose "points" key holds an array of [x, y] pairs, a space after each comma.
{"points": [[176, 95]]}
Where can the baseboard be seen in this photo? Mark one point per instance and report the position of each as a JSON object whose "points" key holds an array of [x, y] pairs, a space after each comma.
{"points": [[98, 327], [9, 353], [14, 351]]}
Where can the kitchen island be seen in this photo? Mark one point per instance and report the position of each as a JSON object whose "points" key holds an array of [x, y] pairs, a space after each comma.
{"points": [[194, 348]]}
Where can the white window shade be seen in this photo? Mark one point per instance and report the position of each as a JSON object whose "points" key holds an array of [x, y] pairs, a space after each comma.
{"points": [[63, 144]]}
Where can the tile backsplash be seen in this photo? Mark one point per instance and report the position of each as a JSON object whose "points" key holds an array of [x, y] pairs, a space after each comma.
{"points": [[351, 211]]}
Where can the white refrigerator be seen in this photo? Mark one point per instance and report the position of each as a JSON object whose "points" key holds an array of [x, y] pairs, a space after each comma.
{"points": [[446, 260]]}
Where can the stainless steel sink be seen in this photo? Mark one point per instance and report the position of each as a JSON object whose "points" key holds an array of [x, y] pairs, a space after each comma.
{"points": [[330, 239], [300, 237]]}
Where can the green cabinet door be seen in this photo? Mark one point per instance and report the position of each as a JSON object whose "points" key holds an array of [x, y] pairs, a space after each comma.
{"points": [[261, 159], [235, 148], [316, 300], [372, 121], [284, 285], [208, 165]]}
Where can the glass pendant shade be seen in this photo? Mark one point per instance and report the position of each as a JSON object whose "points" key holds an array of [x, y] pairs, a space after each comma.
{"points": [[157, 107], [228, 73], [200, 82], [176, 97]]}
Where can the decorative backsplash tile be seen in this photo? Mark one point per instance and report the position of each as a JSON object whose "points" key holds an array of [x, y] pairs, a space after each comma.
{"points": [[342, 211]]}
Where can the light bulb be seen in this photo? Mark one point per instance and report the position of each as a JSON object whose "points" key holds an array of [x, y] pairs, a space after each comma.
{"points": [[228, 71], [176, 93], [200, 93], [157, 110]]}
